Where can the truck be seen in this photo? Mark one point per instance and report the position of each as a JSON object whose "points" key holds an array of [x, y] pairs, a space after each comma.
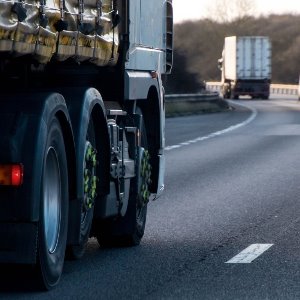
{"points": [[82, 123], [246, 67]]}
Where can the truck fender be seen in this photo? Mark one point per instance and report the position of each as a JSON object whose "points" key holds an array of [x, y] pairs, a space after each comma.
{"points": [[53, 105], [24, 121], [85, 104], [153, 111]]}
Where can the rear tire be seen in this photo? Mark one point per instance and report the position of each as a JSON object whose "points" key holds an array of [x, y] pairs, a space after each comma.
{"points": [[53, 208]]}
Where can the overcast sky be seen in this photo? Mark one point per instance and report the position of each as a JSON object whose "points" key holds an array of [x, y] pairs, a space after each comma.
{"points": [[195, 9]]}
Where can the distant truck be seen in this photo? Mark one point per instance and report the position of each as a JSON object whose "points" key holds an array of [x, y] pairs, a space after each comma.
{"points": [[246, 67]]}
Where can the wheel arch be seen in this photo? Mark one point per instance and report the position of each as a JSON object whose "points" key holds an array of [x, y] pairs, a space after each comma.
{"points": [[85, 104], [153, 113], [47, 106], [70, 151]]}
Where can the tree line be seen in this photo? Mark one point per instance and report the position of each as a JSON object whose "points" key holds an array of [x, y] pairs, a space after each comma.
{"points": [[198, 45]]}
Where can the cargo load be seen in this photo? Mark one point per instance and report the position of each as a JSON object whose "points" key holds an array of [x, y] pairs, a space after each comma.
{"points": [[60, 29]]}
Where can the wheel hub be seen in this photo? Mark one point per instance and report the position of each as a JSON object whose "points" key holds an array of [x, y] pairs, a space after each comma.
{"points": [[145, 177], [52, 199], [90, 178]]}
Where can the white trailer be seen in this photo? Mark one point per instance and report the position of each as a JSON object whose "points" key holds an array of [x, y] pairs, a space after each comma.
{"points": [[246, 66]]}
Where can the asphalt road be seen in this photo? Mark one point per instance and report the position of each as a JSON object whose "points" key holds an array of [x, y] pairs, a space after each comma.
{"points": [[232, 181]]}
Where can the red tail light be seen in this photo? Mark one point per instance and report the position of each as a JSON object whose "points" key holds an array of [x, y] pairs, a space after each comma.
{"points": [[11, 174]]}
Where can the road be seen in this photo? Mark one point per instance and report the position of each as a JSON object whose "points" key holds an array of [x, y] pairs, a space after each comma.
{"points": [[232, 181]]}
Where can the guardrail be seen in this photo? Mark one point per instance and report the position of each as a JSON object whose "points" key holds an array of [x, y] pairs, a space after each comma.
{"points": [[185, 104], [284, 89], [210, 96], [281, 89], [210, 101]]}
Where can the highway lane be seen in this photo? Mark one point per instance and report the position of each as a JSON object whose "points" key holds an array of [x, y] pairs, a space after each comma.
{"points": [[233, 189]]}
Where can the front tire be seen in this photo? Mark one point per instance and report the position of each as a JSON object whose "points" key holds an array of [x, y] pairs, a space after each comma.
{"points": [[53, 208]]}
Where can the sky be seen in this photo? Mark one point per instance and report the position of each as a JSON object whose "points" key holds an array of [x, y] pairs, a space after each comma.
{"points": [[195, 9]]}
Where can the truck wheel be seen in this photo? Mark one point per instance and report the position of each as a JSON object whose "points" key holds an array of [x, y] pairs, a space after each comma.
{"points": [[53, 208], [129, 230], [89, 181]]}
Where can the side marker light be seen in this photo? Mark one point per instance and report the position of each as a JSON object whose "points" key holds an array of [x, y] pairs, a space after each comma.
{"points": [[11, 174]]}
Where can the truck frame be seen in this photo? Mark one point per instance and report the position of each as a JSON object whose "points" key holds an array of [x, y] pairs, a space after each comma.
{"points": [[81, 141]]}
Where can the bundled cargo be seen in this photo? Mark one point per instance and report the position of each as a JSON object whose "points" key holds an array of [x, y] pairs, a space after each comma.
{"points": [[60, 29]]}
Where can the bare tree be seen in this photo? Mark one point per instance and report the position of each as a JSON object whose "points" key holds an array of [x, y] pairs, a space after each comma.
{"points": [[225, 11]]}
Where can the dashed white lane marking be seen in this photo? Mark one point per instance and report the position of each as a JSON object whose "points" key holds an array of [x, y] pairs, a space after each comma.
{"points": [[217, 133], [249, 254]]}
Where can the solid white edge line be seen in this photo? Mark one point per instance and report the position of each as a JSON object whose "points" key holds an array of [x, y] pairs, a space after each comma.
{"points": [[218, 133], [249, 254]]}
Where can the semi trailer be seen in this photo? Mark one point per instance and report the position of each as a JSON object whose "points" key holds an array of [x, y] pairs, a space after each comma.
{"points": [[246, 67], [81, 125]]}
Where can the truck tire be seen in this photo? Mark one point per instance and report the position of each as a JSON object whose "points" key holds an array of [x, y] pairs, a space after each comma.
{"points": [[53, 220], [75, 252], [234, 96], [226, 94], [129, 230]]}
